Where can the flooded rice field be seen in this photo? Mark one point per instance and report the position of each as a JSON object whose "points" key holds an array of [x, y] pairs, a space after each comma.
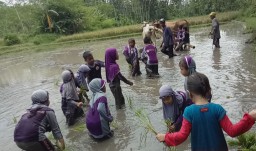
{"points": [[230, 69]]}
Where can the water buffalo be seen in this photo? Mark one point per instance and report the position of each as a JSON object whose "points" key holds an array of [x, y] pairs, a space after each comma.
{"points": [[151, 31]]}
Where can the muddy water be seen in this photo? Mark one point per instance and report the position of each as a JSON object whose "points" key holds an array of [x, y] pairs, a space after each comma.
{"points": [[231, 70]]}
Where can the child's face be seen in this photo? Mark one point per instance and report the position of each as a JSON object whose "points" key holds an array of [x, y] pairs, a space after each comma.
{"points": [[89, 60], [184, 71], [132, 44], [167, 100]]}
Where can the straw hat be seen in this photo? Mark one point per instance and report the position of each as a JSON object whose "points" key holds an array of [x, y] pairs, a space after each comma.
{"points": [[212, 14]]}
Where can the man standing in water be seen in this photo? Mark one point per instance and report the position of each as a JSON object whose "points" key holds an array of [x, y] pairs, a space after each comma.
{"points": [[167, 44], [215, 32]]}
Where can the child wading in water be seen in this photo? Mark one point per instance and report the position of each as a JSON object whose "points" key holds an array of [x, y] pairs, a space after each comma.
{"points": [[94, 65], [80, 79], [132, 57], [70, 104], [205, 120], [180, 38], [174, 104], [149, 57], [113, 76], [30, 131], [98, 116], [188, 67]]}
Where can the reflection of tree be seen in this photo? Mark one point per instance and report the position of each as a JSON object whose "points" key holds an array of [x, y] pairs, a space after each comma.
{"points": [[216, 59]]}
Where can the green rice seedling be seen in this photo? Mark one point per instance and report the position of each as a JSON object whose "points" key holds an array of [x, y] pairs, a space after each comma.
{"points": [[79, 127], [14, 119], [130, 102], [245, 141], [114, 124], [145, 121]]}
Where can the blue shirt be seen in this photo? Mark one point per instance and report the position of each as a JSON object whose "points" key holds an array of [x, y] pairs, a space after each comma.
{"points": [[167, 36], [206, 132]]}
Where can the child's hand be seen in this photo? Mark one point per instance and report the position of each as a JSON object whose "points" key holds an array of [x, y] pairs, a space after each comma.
{"points": [[253, 114], [60, 144], [79, 104], [172, 128], [160, 137]]}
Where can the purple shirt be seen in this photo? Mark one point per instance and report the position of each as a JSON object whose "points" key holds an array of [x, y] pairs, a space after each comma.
{"points": [[150, 52]]}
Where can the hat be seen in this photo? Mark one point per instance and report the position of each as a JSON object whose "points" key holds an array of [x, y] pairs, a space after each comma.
{"points": [[212, 14], [162, 20]]}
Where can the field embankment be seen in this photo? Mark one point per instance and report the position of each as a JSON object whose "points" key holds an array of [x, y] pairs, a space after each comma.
{"points": [[44, 42]]}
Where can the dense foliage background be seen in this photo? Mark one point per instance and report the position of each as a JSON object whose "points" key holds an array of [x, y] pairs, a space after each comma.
{"points": [[73, 16]]}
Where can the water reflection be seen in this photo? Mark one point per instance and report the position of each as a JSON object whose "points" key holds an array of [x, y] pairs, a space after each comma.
{"points": [[216, 59]]}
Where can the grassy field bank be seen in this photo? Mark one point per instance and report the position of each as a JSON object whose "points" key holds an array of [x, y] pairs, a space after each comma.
{"points": [[46, 42], [193, 21]]}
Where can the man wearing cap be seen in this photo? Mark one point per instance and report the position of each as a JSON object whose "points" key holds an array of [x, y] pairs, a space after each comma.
{"points": [[167, 44], [215, 32]]}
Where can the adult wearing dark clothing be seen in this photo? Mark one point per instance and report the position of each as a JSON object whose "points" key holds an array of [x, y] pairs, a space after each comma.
{"points": [[30, 131], [167, 44], [215, 32]]}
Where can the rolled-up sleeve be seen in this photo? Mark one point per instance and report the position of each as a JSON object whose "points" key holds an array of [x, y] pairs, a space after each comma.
{"points": [[51, 118]]}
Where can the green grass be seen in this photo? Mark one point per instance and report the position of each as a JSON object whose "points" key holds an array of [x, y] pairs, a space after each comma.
{"points": [[250, 23], [79, 127], [103, 33], [222, 17]]}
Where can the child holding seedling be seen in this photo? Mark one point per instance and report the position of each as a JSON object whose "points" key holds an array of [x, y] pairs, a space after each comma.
{"points": [[174, 104], [80, 79], [70, 105], [29, 133], [205, 120]]}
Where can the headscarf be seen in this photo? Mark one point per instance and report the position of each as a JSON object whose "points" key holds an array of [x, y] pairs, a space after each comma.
{"points": [[39, 96], [112, 68], [190, 64], [95, 86], [69, 88], [171, 111], [80, 76], [191, 69]]}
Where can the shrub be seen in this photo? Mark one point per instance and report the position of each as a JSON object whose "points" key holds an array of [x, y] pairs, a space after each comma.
{"points": [[108, 23], [10, 40]]}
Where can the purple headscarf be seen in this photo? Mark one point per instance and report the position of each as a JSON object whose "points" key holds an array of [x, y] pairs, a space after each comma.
{"points": [[171, 111], [190, 64], [112, 68]]}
